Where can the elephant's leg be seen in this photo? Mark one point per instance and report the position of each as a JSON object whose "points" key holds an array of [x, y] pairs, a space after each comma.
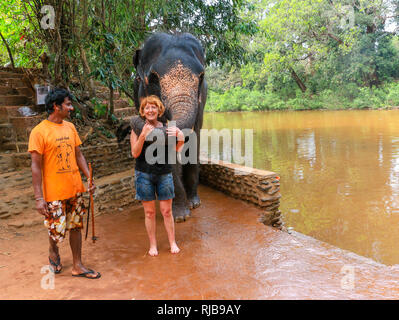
{"points": [[191, 169], [191, 180], [180, 209]]}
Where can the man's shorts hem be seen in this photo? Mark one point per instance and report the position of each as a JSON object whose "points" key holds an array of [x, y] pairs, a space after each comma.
{"points": [[65, 215]]}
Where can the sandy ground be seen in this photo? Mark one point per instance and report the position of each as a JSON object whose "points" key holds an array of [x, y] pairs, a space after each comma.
{"points": [[226, 253]]}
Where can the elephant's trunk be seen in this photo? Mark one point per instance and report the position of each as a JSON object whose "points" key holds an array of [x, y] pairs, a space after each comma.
{"points": [[183, 110], [179, 88]]}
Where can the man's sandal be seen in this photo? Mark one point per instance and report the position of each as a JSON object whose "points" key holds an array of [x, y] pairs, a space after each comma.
{"points": [[55, 264], [84, 274]]}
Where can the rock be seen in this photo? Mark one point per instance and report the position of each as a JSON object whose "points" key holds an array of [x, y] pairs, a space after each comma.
{"points": [[28, 223], [16, 224], [37, 222], [5, 215]]}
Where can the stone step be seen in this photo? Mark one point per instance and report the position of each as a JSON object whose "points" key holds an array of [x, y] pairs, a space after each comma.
{"points": [[3, 115], [7, 90], [127, 118], [13, 100], [25, 91], [118, 104], [7, 134], [24, 125], [11, 75], [105, 95], [12, 82], [124, 112], [6, 163], [16, 194], [12, 111], [20, 180], [11, 160], [15, 146]]}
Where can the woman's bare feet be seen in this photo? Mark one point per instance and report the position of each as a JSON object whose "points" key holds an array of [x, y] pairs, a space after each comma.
{"points": [[153, 251], [174, 248]]}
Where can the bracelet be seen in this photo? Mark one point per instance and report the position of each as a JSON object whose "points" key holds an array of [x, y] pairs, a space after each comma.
{"points": [[37, 199]]}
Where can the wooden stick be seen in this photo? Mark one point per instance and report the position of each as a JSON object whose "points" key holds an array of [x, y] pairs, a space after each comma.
{"points": [[94, 238]]}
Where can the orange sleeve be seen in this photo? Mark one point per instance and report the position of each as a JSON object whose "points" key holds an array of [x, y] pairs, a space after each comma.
{"points": [[78, 142], [36, 142]]}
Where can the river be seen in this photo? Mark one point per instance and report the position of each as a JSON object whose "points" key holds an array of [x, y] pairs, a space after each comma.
{"points": [[339, 173]]}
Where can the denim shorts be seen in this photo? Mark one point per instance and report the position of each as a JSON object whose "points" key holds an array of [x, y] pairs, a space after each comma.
{"points": [[148, 185]]}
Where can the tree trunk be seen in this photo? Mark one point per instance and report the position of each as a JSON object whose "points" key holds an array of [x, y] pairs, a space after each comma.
{"points": [[85, 64], [8, 49], [111, 102], [298, 81]]}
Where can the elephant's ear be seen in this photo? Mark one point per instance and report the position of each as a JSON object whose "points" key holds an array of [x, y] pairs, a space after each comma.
{"points": [[136, 58]]}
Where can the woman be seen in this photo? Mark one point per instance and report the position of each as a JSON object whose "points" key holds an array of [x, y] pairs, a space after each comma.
{"points": [[155, 179]]}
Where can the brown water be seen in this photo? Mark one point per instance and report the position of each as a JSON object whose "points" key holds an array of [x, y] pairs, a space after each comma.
{"points": [[339, 173]]}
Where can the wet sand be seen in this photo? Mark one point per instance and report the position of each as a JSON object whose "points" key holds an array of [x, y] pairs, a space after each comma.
{"points": [[226, 253]]}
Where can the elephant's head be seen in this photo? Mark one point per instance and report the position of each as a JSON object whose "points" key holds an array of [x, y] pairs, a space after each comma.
{"points": [[172, 67]]}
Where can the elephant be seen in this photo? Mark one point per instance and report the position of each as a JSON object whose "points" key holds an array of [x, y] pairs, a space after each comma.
{"points": [[172, 67]]}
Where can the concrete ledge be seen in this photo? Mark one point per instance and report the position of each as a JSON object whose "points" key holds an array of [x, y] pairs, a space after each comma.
{"points": [[114, 192], [258, 187]]}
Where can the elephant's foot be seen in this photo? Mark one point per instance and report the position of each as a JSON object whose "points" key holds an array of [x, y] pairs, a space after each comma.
{"points": [[181, 214], [194, 202]]}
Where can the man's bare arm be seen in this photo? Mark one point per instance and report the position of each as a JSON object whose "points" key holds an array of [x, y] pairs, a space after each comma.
{"points": [[36, 167], [82, 164]]}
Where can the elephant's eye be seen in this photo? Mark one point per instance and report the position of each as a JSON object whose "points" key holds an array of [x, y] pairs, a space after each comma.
{"points": [[201, 79]]}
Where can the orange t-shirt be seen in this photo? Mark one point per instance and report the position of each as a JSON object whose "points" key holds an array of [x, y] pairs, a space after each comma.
{"points": [[60, 172]]}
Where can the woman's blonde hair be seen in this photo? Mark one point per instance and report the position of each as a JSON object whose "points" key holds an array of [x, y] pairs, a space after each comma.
{"points": [[152, 100]]}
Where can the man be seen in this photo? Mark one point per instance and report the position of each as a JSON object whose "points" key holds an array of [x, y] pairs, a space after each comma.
{"points": [[56, 160]]}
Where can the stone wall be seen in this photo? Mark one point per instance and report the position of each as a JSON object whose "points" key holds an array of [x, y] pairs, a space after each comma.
{"points": [[259, 187], [106, 159], [113, 171], [109, 158], [115, 192]]}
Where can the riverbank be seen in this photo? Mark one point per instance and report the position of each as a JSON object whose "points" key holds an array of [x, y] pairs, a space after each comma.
{"points": [[347, 97], [226, 254]]}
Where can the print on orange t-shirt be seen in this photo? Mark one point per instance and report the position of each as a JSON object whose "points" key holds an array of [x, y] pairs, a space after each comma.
{"points": [[60, 172]]}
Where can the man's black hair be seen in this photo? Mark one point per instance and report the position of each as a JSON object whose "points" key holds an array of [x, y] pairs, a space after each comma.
{"points": [[58, 96]]}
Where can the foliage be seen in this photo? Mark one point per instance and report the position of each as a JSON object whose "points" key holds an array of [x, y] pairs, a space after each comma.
{"points": [[100, 109], [345, 97], [19, 35], [96, 39], [314, 54], [262, 54]]}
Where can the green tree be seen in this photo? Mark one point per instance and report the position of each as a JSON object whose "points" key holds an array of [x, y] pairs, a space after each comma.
{"points": [[18, 44]]}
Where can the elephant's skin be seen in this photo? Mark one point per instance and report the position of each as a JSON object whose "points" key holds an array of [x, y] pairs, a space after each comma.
{"points": [[172, 67]]}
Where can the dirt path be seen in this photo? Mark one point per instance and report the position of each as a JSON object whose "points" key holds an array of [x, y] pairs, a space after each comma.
{"points": [[226, 254]]}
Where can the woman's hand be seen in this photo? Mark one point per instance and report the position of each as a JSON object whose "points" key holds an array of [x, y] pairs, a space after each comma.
{"points": [[175, 132], [147, 129]]}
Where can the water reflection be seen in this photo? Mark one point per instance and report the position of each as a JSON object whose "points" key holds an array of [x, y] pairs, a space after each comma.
{"points": [[339, 173]]}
